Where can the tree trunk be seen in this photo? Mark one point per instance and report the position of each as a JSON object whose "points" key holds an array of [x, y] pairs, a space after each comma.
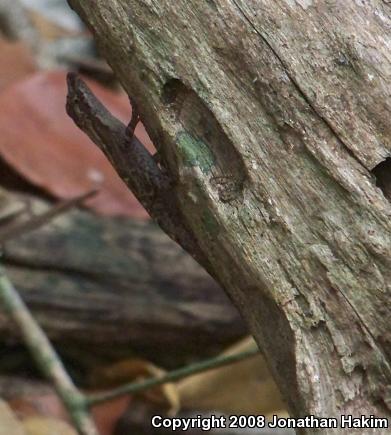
{"points": [[269, 117]]}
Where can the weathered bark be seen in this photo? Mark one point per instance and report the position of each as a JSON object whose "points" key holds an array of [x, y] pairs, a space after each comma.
{"points": [[117, 286], [270, 116]]}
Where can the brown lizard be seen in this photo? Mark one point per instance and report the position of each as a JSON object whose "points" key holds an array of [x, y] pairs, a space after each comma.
{"points": [[133, 162]]}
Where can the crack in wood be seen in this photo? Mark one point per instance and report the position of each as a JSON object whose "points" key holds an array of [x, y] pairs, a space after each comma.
{"points": [[382, 172], [298, 88]]}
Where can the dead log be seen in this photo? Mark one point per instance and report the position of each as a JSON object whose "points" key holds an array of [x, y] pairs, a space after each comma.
{"points": [[269, 117], [117, 286]]}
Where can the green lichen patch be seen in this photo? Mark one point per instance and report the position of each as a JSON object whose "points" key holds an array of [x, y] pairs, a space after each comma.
{"points": [[195, 152], [210, 224]]}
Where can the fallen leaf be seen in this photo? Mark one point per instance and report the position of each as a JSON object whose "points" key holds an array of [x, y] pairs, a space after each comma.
{"points": [[107, 414], [47, 426], [49, 30], [45, 405], [136, 370], [16, 62], [49, 406], [30, 399], [9, 424], [43, 145], [246, 387], [57, 11]]}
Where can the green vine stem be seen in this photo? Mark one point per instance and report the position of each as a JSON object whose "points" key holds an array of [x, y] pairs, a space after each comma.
{"points": [[45, 357], [51, 366], [175, 375]]}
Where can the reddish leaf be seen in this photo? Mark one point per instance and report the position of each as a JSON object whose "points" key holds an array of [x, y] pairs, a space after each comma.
{"points": [[49, 405], [45, 405], [106, 415], [16, 62], [43, 145]]}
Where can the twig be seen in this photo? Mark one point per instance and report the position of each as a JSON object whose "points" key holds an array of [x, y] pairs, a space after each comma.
{"points": [[15, 230], [46, 358], [51, 366], [175, 375]]}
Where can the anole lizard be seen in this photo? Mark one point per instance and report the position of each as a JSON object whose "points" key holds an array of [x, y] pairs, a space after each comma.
{"points": [[133, 162]]}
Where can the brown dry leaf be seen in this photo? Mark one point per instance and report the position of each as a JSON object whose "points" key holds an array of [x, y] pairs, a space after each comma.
{"points": [[242, 388], [47, 29], [16, 62], [107, 414], [47, 426], [16, 388], [134, 370], [9, 424], [45, 405], [43, 145]]}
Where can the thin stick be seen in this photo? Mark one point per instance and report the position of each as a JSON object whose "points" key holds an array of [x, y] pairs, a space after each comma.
{"points": [[52, 367], [15, 230], [46, 358], [175, 375]]}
